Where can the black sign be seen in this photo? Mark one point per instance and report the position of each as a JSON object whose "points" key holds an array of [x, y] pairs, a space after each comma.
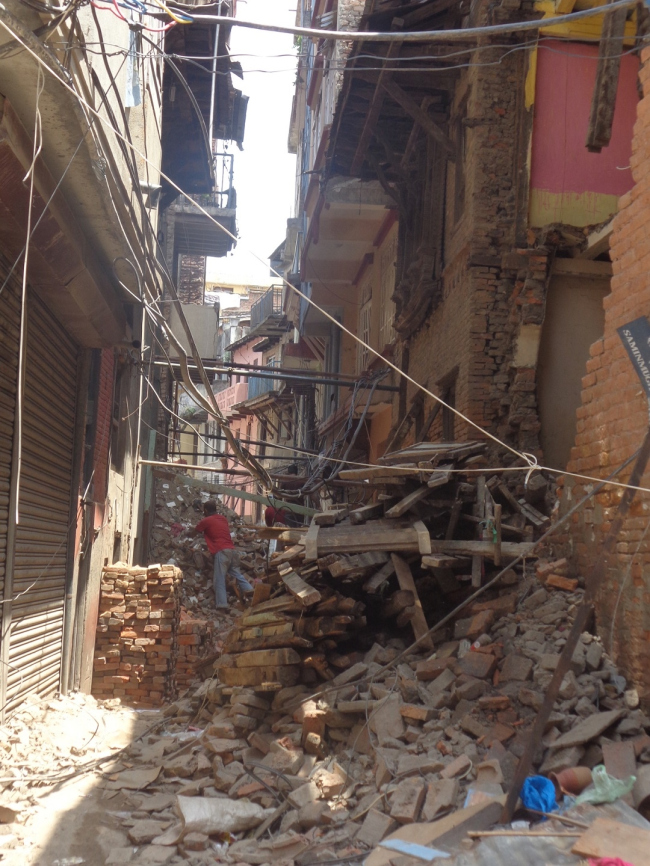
{"points": [[636, 339]]}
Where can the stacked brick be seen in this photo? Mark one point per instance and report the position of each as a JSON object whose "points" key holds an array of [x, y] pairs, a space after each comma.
{"points": [[195, 642], [136, 644]]}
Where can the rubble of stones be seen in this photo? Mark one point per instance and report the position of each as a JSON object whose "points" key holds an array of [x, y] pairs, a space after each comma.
{"points": [[180, 507], [396, 743]]}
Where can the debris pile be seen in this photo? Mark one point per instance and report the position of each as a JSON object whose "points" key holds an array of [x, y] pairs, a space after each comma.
{"points": [[398, 738], [179, 506], [136, 644]]}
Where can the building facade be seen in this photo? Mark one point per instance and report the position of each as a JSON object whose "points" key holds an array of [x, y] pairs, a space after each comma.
{"points": [[84, 131]]}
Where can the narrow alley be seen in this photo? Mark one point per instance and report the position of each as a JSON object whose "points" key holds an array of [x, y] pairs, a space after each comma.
{"points": [[324, 439]]}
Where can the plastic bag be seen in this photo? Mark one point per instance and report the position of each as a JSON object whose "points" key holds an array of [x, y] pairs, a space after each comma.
{"points": [[605, 788], [219, 815], [538, 793]]}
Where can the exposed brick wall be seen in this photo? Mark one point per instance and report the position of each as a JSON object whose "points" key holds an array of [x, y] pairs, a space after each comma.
{"points": [[191, 279], [486, 295], [611, 423]]}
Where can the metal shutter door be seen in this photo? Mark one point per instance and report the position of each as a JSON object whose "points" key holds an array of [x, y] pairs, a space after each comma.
{"points": [[9, 336], [42, 536]]}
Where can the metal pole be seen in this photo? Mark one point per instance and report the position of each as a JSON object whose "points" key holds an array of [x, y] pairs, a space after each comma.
{"points": [[213, 90]]}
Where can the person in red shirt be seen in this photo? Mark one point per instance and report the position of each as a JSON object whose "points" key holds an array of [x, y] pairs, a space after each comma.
{"points": [[217, 536]]}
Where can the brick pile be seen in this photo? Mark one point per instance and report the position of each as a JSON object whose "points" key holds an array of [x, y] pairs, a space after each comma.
{"points": [[137, 632], [195, 641]]}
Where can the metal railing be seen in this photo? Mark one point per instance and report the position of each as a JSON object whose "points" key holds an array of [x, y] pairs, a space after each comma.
{"points": [[270, 304], [258, 387], [224, 196]]}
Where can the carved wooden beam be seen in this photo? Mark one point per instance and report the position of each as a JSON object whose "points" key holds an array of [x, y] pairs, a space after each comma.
{"points": [[603, 103]]}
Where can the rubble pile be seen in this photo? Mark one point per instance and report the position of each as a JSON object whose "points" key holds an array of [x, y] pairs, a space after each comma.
{"points": [[137, 633], [179, 506], [398, 738]]}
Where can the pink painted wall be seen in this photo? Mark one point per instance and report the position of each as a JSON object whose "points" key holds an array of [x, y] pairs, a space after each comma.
{"points": [[566, 72]]}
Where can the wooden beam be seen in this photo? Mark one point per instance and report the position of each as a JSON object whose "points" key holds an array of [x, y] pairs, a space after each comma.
{"points": [[603, 102], [411, 107], [509, 549], [374, 110], [418, 620], [405, 504]]}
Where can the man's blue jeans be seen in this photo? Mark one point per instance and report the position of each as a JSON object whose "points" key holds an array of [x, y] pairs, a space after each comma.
{"points": [[227, 562]]}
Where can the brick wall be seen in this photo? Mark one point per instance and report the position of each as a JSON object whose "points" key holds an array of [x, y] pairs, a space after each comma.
{"points": [[611, 423], [489, 288]]}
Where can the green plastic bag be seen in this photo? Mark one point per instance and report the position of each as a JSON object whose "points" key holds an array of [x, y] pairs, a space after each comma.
{"points": [[605, 788]]}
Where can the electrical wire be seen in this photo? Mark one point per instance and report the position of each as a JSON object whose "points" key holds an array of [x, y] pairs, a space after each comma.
{"points": [[14, 27], [420, 35]]}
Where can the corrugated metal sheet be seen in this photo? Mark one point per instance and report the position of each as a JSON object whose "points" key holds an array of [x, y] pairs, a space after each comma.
{"points": [[41, 553], [9, 335]]}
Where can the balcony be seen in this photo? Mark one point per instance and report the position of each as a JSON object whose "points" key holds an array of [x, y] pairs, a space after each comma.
{"points": [[267, 317], [258, 387], [229, 397], [192, 233]]}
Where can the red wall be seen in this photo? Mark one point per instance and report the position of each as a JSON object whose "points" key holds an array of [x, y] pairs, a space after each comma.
{"points": [[566, 73]]}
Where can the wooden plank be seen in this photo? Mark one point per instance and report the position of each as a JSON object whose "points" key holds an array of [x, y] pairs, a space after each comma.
{"points": [[267, 643], [286, 675], [440, 477], [418, 621], [367, 512], [242, 632], [267, 658], [607, 838], [478, 817], [261, 592], [305, 593], [276, 605], [509, 549], [497, 526], [441, 560], [603, 102], [454, 517], [411, 499], [311, 543], [332, 517], [373, 584], [387, 535], [295, 552], [424, 539], [533, 515]]}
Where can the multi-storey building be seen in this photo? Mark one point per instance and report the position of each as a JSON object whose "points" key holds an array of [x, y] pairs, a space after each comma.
{"points": [[92, 105]]}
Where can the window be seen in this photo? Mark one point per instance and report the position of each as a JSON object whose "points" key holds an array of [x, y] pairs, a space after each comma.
{"points": [[387, 287]]}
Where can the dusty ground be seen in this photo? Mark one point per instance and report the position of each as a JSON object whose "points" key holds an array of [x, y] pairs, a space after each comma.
{"points": [[61, 823]]}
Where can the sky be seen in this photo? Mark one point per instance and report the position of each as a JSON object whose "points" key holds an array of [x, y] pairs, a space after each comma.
{"points": [[264, 172]]}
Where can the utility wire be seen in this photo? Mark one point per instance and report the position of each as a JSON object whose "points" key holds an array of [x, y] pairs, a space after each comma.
{"points": [[421, 35], [15, 27]]}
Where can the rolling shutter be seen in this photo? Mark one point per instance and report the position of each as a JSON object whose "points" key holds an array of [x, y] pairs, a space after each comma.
{"points": [[9, 336], [41, 553]]}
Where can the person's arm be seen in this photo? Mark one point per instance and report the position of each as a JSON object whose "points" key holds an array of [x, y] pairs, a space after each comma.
{"points": [[193, 531]]}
